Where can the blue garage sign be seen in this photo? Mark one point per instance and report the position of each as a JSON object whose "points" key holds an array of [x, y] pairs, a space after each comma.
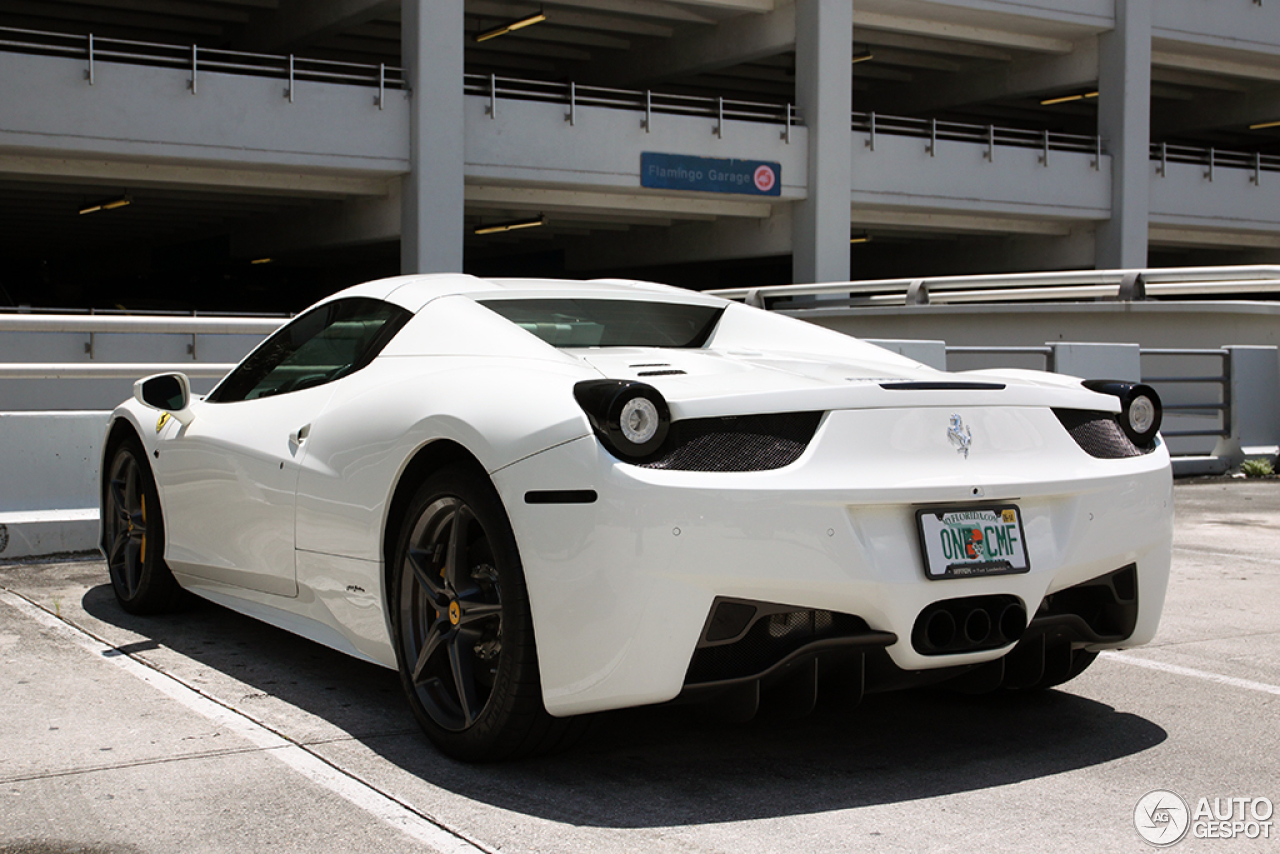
{"points": [[710, 174]]}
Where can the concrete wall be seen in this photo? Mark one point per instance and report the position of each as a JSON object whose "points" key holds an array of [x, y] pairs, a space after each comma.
{"points": [[1239, 26], [51, 430], [19, 395], [48, 481], [141, 112], [900, 173], [531, 143], [1185, 196]]}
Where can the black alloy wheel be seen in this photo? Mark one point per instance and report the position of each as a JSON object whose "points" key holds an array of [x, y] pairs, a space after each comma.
{"points": [[463, 631], [452, 608], [134, 535]]}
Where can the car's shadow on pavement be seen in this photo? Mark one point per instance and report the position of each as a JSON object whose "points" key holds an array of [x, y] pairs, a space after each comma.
{"points": [[664, 766]]}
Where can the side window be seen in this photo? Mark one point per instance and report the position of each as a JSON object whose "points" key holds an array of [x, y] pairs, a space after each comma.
{"points": [[327, 342]]}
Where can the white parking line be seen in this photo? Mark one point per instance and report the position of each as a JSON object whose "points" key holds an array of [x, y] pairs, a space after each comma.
{"points": [[1232, 555], [1247, 684], [399, 815]]}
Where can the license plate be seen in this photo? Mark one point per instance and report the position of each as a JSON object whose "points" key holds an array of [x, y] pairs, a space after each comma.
{"points": [[962, 542]]}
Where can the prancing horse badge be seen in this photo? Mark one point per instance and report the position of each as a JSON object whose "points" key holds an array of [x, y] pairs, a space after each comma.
{"points": [[959, 435]]}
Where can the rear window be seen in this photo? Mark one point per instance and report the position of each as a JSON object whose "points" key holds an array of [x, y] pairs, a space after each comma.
{"points": [[609, 322]]}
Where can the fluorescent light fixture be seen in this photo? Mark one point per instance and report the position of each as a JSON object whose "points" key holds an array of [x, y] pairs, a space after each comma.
{"points": [[261, 260], [501, 227], [107, 204], [511, 27], [1261, 125], [1066, 98], [860, 238], [863, 55]]}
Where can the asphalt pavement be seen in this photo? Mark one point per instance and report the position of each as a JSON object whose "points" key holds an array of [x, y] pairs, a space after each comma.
{"points": [[207, 731]]}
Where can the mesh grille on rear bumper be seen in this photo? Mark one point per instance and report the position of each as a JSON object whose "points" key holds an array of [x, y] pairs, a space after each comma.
{"points": [[744, 443], [1099, 434]]}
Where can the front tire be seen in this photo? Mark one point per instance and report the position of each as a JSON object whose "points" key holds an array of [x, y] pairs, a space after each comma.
{"points": [[462, 626], [134, 528]]}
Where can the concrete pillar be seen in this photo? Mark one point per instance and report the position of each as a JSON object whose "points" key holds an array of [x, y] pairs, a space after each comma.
{"points": [[431, 203], [824, 93], [1255, 405], [1124, 121]]}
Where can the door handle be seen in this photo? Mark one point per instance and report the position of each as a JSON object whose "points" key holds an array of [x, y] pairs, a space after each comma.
{"points": [[299, 436]]}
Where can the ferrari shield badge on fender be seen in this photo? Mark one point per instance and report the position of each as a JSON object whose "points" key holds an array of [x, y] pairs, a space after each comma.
{"points": [[163, 420], [960, 436]]}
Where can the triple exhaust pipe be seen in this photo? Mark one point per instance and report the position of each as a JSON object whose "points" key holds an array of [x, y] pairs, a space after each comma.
{"points": [[969, 624]]}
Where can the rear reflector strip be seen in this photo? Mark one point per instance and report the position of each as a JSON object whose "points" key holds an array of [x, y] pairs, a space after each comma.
{"points": [[561, 496]]}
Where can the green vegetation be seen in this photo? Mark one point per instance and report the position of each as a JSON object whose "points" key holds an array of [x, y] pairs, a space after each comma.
{"points": [[1257, 468]]}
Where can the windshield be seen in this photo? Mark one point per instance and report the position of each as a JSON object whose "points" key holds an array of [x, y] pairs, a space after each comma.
{"points": [[610, 322]]}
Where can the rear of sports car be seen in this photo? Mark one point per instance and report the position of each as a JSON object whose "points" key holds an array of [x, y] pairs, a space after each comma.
{"points": [[808, 527]]}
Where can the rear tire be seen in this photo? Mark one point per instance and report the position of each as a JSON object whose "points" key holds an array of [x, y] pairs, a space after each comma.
{"points": [[462, 628], [133, 524]]}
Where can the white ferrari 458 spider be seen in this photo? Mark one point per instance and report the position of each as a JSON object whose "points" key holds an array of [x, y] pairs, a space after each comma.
{"points": [[539, 499]]}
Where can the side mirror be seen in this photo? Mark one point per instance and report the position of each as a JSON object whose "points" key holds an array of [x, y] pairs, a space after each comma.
{"points": [[169, 393]]}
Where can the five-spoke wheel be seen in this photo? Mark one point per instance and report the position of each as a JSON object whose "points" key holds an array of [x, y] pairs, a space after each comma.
{"points": [[134, 534], [452, 611], [464, 634]]}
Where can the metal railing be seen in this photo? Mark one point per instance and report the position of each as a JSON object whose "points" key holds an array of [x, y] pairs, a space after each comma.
{"points": [[1046, 353], [155, 324], [1214, 158], [28, 310], [1219, 406], [92, 325], [1017, 287], [110, 371], [196, 59], [1221, 379], [573, 96], [934, 131]]}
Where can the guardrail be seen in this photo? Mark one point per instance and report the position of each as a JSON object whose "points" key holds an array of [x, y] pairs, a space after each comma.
{"points": [[92, 325], [1047, 353], [109, 371], [155, 323], [1214, 158], [935, 131], [1017, 287], [134, 312], [1220, 406], [1221, 379], [646, 101], [195, 58]]}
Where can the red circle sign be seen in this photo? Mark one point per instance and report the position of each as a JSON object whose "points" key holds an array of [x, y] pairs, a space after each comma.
{"points": [[765, 178]]}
